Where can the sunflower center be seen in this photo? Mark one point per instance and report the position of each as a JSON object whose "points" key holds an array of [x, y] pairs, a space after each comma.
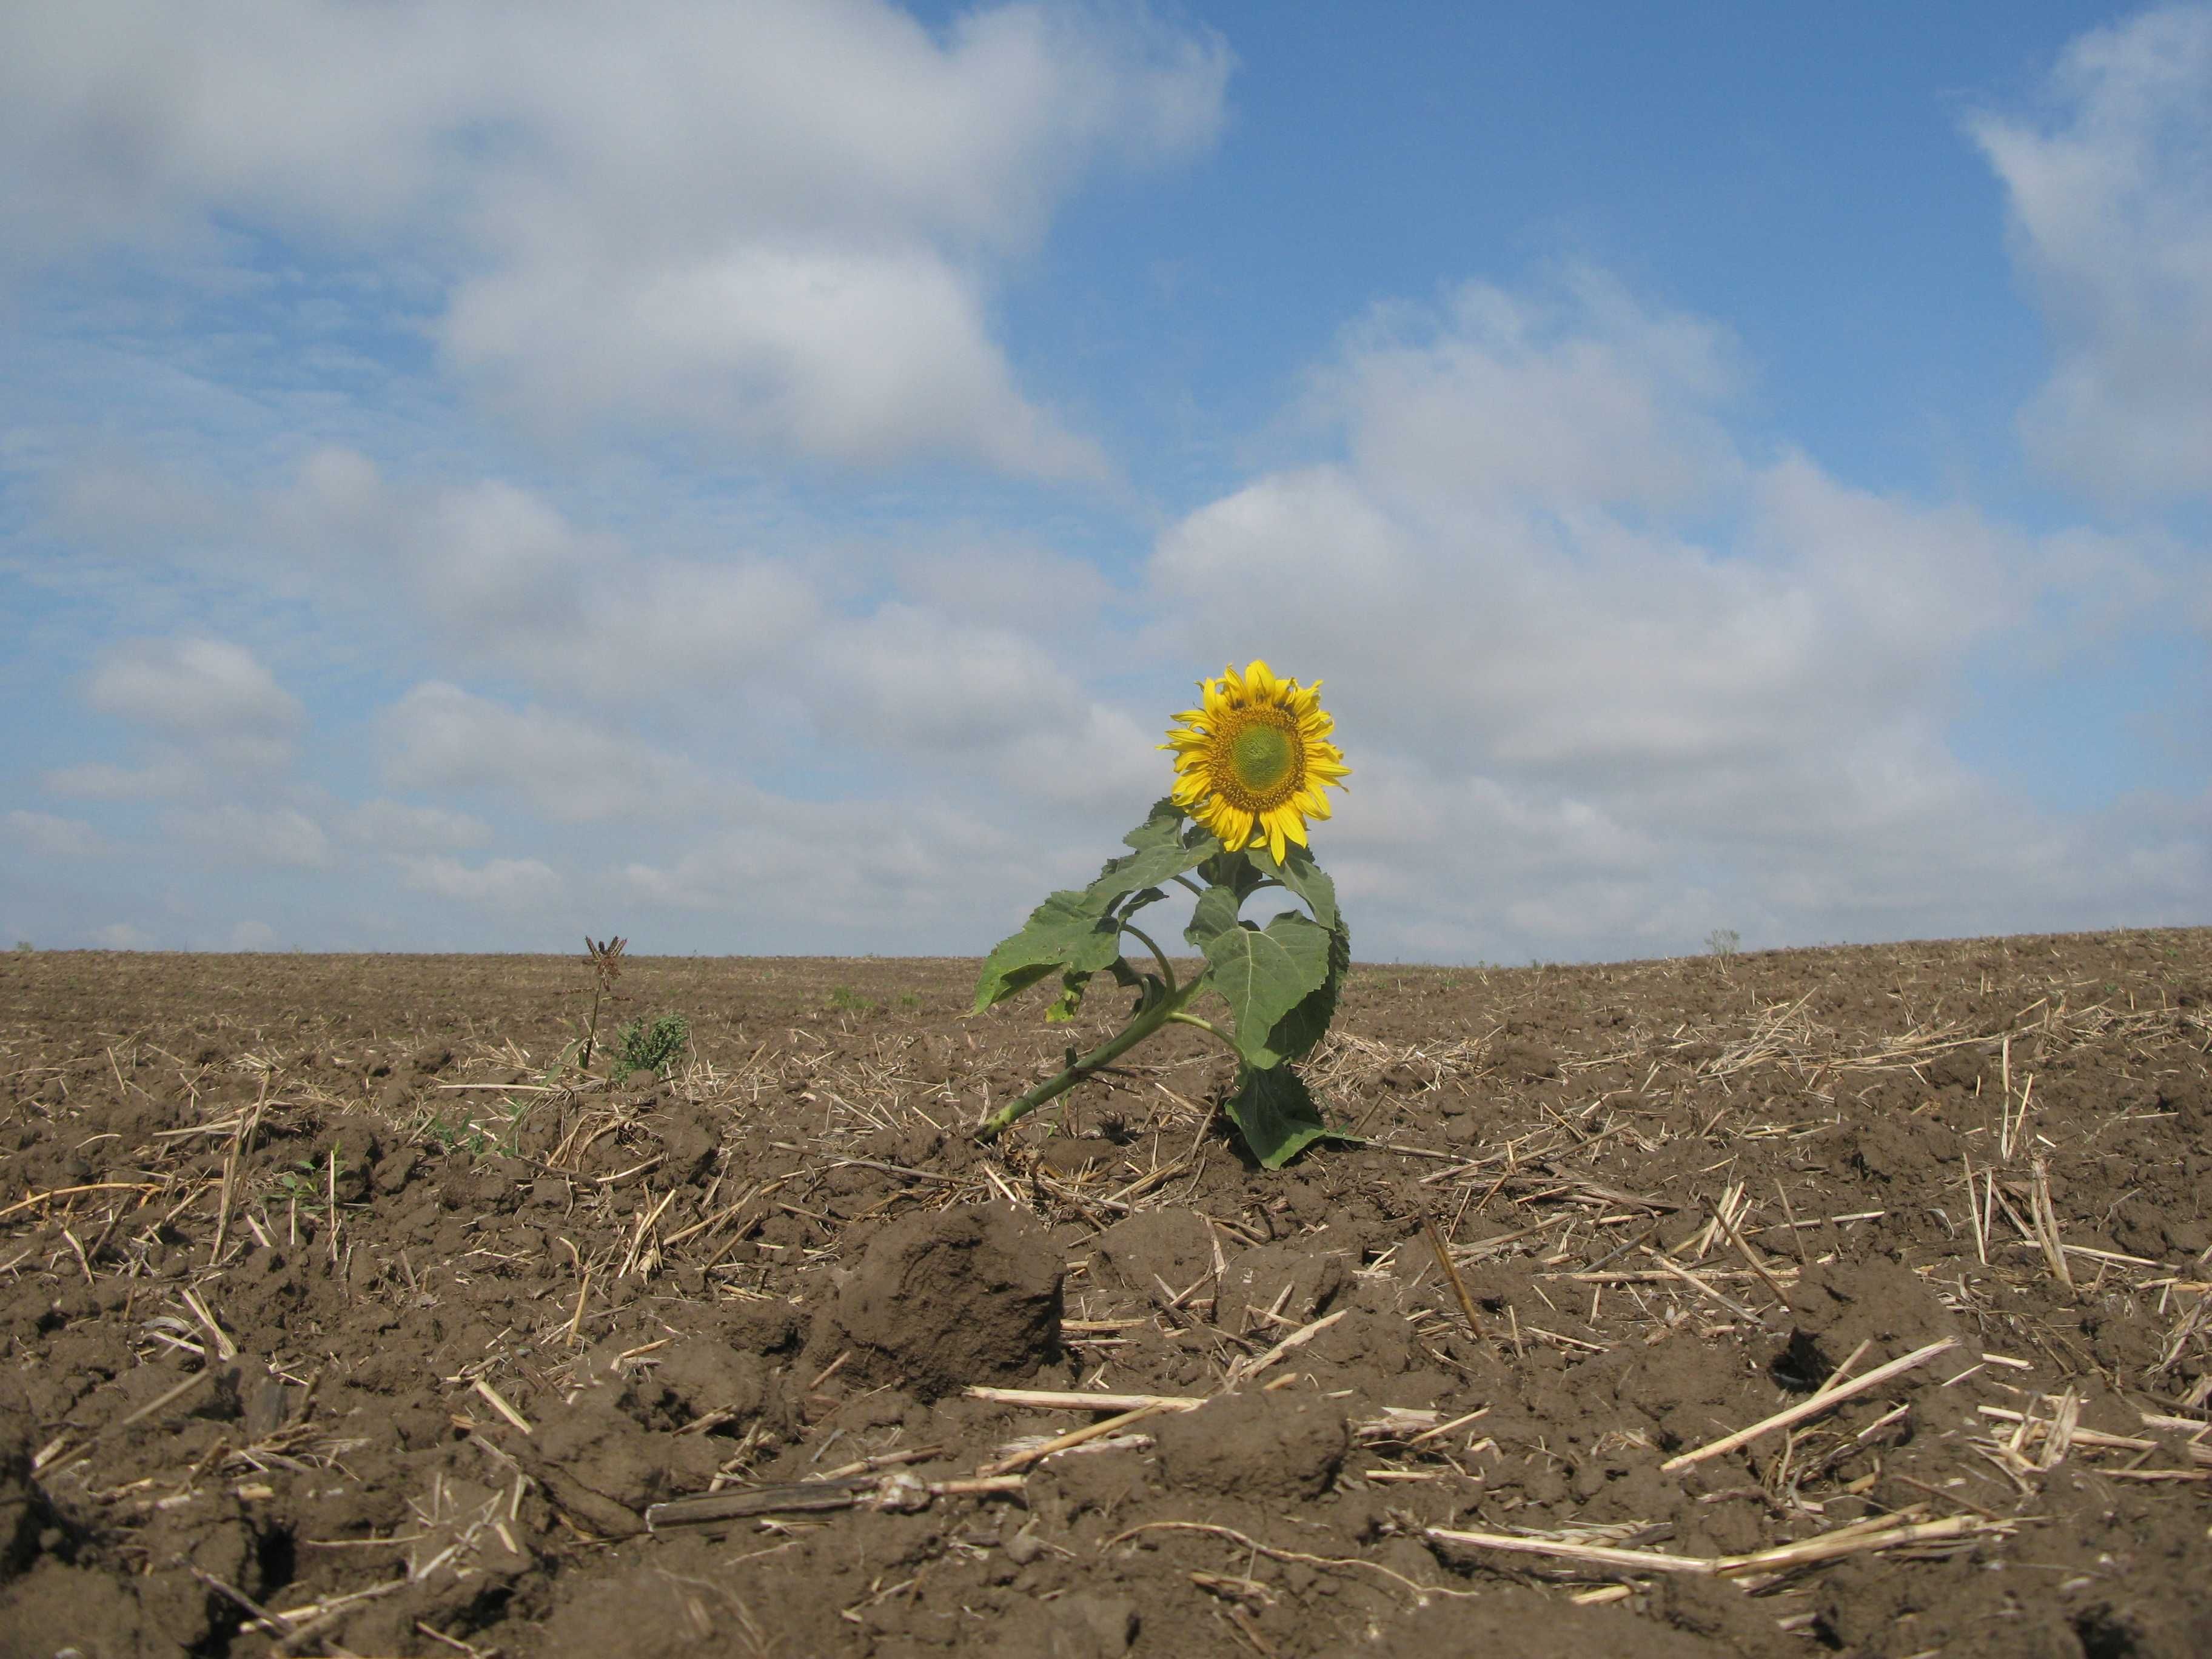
{"points": [[1260, 760]]}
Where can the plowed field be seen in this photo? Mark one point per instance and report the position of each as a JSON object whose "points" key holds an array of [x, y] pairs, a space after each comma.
{"points": [[1831, 1301]]}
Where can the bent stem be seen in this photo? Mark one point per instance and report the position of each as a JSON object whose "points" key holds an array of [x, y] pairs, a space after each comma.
{"points": [[1210, 1029], [1147, 1021], [1167, 969]]}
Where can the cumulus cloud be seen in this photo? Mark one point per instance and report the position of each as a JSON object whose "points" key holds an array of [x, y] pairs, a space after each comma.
{"points": [[862, 358], [2110, 196], [906, 677], [391, 826], [439, 737], [850, 875], [496, 883], [211, 697], [122, 936], [1604, 695], [281, 837], [1587, 395], [172, 774], [47, 836], [117, 499], [1030, 588], [509, 581], [778, 223], [934, 691]]}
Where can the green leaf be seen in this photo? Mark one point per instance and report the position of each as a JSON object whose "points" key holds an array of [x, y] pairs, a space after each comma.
{"points": [[1069, 1003], [1263, 974], [1234, 871], [1070, 999], [1006, 984], [1297, 1031], [1138, 901], [1275, 1113], [1304, 877], [1215, 911], [1163, 826], [1164, 851], [1068, 930]]}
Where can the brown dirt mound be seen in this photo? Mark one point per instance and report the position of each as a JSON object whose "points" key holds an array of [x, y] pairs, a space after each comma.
{"points": [[343, 1313], [948, 1297]]}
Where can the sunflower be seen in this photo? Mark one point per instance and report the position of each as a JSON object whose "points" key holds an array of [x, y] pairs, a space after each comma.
{"points": [[1250, 762]]}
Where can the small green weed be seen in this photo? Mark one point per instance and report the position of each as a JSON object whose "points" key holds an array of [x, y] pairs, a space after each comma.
{"points": [[847, 1000], [650, 1048], [24, 947], [301, 1183], [464, 1136], [911, 1001], [1723, 942]]}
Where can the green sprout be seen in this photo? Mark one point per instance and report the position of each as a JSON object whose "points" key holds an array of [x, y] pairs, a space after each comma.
{"points": [[1251, 763], [650, 1048]]}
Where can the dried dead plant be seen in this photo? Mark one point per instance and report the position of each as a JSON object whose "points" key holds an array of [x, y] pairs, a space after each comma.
{"points": [[605, 959]]}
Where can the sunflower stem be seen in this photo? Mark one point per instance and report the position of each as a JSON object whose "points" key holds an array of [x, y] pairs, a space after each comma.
{"points": [[1147, 1022], [1159, 954], [1210, 1029]]}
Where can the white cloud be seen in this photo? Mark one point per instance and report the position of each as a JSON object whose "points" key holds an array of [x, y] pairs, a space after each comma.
{"points": [[496, 883], [865, 358], [439, 737], [934, 691], [209, 696], [1102, 761], [122, 936], [1586, 397], [1031, 588], [44, 835], [2111, 206], [171, 775], [253, 936], [391, 826], [235, 833], [910, 679], [1577, 726], [778, 222], [499, 563], [510, 581], [851, 875], [115, 498]]}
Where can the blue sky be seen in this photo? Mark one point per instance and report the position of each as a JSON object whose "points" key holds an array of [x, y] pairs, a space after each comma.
{"points": [[758, 477]]}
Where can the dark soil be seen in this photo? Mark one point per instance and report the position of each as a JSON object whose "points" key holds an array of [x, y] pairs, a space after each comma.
{"points": [[343, 1314]]}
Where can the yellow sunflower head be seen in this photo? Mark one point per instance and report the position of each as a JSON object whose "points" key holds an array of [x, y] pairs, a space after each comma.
{"points": [[1250, 762]]}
